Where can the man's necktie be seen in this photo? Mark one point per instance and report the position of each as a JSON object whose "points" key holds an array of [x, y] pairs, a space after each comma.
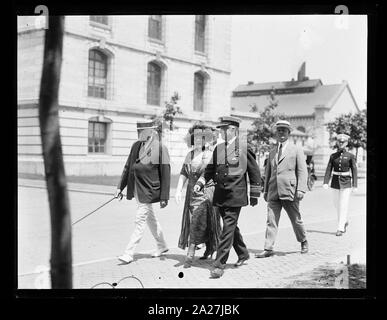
{"points": [[279, 151]]}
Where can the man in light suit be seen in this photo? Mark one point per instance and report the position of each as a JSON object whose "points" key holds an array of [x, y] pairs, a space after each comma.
{"points": [[285, 185]]}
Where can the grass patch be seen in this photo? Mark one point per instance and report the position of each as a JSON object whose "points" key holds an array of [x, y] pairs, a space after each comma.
{"points": [[357, 276], [325, 276]]}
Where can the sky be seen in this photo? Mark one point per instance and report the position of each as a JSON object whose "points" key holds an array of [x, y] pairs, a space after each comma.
{"points": [[272, 48]]}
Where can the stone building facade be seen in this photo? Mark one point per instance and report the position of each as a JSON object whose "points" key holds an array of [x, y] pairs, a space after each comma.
{"points": [[118, 70]]}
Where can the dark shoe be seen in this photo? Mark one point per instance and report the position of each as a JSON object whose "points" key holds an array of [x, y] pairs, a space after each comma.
{"points": [[304, 247], [206, 254], [241, 261], [264, 254], [217, 273], [339, 233], [188, 262], [345, 226]]}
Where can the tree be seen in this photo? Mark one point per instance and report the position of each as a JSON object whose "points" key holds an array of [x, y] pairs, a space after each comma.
{"points": [[259, 137], [354, 125], [167, 116], [61, 256], [171, 109]]}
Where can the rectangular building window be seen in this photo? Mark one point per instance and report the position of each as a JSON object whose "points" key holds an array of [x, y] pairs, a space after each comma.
{"points": [[199, 92], [97, 137], [100, 19], [200, 32], [155, 27], [153, 84]]}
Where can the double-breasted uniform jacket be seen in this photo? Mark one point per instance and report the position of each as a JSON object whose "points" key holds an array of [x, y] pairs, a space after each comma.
{"points": [[149, 170], [229, 167], [287, 175], [341, 161]]}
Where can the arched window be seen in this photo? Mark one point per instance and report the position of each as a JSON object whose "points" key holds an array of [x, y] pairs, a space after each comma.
{"points": [[154, 84], [155, 27], [200, 32], [199, 86], [97, 74]]}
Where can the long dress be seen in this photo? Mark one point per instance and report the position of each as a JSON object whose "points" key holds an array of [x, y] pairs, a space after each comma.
{"points": [[201, 221]]}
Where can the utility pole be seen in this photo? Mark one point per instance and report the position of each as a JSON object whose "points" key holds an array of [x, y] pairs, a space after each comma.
{"points": [[61, 256]]}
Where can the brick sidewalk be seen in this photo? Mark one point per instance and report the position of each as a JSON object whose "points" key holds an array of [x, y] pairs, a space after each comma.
{"points": [[168, 271]]}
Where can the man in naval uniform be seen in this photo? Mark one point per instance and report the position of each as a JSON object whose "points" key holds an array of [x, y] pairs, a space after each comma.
{"points": [[231, 162], [340, 166], [146, 176]]}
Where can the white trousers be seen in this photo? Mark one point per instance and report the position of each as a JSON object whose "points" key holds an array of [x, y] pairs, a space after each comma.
{"points": [[145, 214], [341, 201]]}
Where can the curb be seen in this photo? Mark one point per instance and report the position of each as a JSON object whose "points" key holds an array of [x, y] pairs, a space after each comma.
{"points": [[72, 189]]}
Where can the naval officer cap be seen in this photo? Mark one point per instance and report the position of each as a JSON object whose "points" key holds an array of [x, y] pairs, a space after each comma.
{"points": [[342, 137], [146, 125], [282, 124], [229, 121]]}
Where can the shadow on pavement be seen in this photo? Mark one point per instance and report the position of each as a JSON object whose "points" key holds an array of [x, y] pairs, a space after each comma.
{"points": [[276, 253], [137, 257], [319, 231], [180, 258]]}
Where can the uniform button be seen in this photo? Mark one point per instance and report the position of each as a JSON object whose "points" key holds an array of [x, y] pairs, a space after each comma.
{"points": [[225, 174]]}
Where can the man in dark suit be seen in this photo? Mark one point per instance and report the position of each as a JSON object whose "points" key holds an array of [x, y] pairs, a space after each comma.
{"points": [[285, 186], [146, 176], [231, 162]]}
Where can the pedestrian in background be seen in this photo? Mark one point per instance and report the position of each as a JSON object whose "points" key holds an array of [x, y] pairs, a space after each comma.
{"points": [[285, 186], [340, 166], [200, 220], [146, 176], [230, 164]]}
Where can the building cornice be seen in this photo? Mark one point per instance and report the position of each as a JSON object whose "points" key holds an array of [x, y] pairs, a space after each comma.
{"points": [[141, 50], [192, 116]]}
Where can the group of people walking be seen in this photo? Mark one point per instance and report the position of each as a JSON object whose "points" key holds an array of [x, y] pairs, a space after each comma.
{"points": [[222, 178]]}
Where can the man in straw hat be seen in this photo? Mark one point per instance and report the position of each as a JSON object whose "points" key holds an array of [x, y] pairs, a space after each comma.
{"points": [[285, 185], [146, 176], [230, 164]]}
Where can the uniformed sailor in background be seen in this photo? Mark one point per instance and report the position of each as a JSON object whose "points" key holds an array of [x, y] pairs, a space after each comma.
{"points": [[146, 176], [231, 162], [340, 166]]}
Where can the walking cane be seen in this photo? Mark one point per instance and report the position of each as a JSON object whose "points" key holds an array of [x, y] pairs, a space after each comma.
{"points": [[120, 195]]}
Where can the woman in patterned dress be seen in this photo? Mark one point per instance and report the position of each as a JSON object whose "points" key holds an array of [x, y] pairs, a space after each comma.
{"points": [[200, 221]]}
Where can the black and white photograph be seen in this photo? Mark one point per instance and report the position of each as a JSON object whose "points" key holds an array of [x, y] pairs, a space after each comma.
{"points": [[184, 151]]}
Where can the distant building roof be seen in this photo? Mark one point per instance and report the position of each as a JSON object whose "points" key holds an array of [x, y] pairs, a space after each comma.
{"points": [[283, 85], [296, 132], [291, 104]]}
